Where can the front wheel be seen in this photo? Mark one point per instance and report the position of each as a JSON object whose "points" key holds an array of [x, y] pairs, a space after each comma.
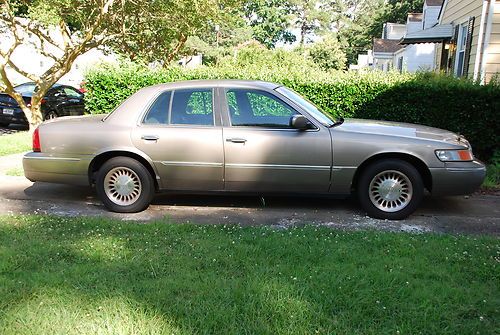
{"points": [[390, 189], [124, 185]]}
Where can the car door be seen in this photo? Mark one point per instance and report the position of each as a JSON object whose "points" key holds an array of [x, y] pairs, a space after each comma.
{"points": [[58, 102], [74, 101], [182, 135], [263, 153]]}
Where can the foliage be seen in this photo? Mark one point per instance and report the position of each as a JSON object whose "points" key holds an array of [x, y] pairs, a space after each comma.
{"points": [[269, 20], [15, 143], [310, 16], [157, 30], [492, 180], [359, 21], [434, 100], [100, 276], [59, 31], [328, 53]]}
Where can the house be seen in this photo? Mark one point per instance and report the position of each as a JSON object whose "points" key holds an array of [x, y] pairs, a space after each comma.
{"points": [[384, 50], [390, 54], [467, 37], [365, 62], [419, 56]]}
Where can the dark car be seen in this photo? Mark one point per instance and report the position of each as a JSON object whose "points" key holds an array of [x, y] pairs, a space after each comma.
{"points": [[60, 100]]}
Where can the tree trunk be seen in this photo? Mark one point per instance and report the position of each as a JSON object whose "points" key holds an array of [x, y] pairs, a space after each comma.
{"points": [[33, 114], [303, 31]]}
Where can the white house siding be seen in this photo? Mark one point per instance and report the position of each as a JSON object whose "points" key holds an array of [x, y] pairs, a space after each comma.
{"points": [[458, 12], [393, 31], [420, 57], [413, 26], [493, 59], [431, 14]]}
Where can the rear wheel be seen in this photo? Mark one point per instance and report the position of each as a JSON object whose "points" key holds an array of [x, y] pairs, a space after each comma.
{"points": [[390, 189], [124, 185], [4, 124], [50, 115]]}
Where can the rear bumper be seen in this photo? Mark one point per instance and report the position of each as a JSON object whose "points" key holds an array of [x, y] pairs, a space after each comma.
{"points": [[18, 117], [64, 170], [458, 178]]}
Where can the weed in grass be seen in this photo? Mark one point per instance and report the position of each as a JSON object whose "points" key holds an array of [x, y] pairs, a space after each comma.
{"points": [[15, 143], [88, 276]]}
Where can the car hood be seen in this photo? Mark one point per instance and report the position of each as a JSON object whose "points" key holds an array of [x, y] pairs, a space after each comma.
{"points": [[400, 129]]}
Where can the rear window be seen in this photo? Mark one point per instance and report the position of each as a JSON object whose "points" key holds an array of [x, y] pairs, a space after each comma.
{"points": [[25, 89]]}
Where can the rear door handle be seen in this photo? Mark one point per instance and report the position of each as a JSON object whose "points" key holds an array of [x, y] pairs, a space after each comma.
{"points": [[236, 140], [150, 137]]}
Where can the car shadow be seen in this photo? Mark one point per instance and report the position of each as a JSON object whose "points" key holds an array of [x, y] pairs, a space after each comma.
{"points": [[12, 129]]}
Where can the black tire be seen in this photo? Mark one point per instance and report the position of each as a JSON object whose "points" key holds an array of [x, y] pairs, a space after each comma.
{"points": [[142, 196], [390, 168], [4, 125], [50, 115]]}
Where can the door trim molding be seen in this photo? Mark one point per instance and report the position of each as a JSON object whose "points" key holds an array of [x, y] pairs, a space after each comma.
{"points": [[279, 166]]}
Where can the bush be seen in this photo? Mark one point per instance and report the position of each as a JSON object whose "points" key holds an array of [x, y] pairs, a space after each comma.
{"points": [[430, 99]]}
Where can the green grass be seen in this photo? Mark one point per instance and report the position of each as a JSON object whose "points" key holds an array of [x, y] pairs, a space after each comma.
{"points": [[98, 276], [492, 180], [15, 143], [16, 172]]}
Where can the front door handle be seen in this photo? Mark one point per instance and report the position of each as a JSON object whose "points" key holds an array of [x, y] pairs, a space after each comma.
{"points": [[150, 137], [236, 140]]}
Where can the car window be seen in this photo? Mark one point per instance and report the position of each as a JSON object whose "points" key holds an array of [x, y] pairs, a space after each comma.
{"points": [[72, 93], [25, 89], [158, 111], [192, 106], [258, 108]]}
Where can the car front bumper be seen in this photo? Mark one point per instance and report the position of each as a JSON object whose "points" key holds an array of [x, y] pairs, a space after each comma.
{"points": [[458, 178], [64, 170]]}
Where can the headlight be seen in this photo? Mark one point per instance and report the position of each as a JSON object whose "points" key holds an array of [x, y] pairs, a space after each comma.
{"points": [[454, 155]]}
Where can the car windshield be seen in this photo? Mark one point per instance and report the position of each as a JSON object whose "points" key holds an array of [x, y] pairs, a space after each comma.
{"points": [[25, 90], [318, 114]]}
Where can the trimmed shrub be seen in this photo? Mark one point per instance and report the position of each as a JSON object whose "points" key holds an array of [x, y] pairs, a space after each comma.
{"points": [[429, 99]]}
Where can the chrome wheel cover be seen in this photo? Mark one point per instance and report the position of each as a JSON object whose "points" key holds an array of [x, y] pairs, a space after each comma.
{"points": [[122, 186], [390, 191]]}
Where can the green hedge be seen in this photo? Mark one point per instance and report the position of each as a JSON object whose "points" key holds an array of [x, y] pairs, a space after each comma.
{"points": [[439, 101]]}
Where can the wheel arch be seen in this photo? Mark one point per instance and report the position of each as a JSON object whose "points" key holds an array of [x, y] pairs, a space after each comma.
{"points": [[418, 163], [103, 157]]}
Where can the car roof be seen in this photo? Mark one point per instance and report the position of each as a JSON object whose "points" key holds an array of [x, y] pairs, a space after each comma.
{"points": [[218, 83]]}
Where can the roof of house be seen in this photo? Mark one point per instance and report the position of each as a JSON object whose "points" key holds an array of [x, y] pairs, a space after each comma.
{"points": [[385, 45], [434, 2], [436, 34], [415, 17]]}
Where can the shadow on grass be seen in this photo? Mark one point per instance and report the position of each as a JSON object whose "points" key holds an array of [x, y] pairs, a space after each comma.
{"points": [[87, 276]]}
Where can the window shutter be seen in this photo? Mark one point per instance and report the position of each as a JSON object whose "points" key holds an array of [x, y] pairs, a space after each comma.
{"points": [[468, 43], [453, 50]]}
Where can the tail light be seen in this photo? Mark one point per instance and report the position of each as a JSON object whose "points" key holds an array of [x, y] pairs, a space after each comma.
{"points": [[36, 141]]}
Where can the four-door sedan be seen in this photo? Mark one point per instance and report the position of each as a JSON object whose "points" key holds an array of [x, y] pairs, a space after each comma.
{"points": [[248, 137], [60, 100]]}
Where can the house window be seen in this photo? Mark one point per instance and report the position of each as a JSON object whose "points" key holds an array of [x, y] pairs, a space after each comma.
{"points": [[461, 46], [400, 64]]}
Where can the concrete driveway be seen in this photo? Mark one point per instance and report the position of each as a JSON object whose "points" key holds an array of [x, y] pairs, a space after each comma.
{"points": [[477, 214]]}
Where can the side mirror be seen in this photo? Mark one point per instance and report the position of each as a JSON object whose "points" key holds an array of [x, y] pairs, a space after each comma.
{"points": [[300, 122]]}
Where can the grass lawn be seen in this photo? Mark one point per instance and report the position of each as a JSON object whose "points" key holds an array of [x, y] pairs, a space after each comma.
{"points": [[15, 143], [492, 180], [16, 172], [99, 276]]}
